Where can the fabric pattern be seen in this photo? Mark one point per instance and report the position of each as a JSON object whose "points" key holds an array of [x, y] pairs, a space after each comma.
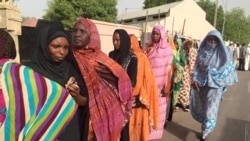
{"points": [[146, 117], [214, 71], [184, 97], [108, 108], [37, 108], [214, 65], [7, 45], [179, 61], [2, 102], [160, 57]]}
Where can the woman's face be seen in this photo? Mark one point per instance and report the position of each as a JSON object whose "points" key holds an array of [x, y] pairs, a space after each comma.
{"points": [[156, 36], [58, 49], [80, 36], [212, 41], [116, 40]]}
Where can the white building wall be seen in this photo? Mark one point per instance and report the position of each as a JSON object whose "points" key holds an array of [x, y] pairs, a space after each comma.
{"points": [[195, 24], [186, 17]]}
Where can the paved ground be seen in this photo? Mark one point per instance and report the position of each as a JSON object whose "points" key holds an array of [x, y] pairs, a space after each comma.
{"points": [[233, 118]]}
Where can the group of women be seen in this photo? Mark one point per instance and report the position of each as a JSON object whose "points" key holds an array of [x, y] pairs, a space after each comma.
{"points": [[78, 92]]}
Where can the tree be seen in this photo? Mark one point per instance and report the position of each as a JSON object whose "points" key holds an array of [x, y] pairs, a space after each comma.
{"points": [[237, 27], [209, 8], [153, 3], [67, 11]]}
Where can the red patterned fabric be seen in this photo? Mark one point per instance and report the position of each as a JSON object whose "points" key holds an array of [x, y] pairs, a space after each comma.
{"points": [[107, 112]]}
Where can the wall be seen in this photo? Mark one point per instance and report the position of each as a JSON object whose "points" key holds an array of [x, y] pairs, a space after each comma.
{"points": [[10, 21]]}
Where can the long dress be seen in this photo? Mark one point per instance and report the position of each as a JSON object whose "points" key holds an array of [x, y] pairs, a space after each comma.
{"points": [[184, 97], [160, 57], [37, 108], [214, 71], [179, 61], [145, 112], [109, 87]]}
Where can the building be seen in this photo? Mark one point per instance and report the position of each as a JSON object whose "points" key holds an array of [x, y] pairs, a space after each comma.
{"points": [[10, 25], [185, 17]]}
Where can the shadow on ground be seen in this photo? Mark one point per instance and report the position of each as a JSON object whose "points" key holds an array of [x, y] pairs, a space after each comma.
{"points": [[181, 132]]}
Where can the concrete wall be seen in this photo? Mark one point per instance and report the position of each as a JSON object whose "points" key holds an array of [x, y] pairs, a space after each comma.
{"points": [[10, 21]]}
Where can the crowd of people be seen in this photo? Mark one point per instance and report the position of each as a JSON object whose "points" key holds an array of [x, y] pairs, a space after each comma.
{"points": [[72, 90], [240, 55]]}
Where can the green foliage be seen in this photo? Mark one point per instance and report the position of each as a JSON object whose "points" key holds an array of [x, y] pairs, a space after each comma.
{"points": [[153, 3], [209, 8], [237, 25], [67, 11]]}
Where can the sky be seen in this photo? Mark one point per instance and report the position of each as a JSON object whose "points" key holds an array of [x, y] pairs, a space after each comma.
{"points": [[37, 8]]}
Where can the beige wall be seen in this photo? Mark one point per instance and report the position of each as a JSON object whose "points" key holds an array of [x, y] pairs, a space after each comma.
{"points": [[106, 32], [10, 21]]}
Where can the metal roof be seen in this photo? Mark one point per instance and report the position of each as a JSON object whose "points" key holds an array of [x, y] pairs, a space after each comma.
{"points": [[151, 11]]}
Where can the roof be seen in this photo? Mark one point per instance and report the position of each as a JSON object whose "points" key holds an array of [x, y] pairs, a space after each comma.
{"points": [[31, 22], [151, 11]]}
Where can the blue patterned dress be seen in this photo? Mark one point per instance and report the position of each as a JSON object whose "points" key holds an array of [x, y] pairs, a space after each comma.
{"points": [[214, 71]]}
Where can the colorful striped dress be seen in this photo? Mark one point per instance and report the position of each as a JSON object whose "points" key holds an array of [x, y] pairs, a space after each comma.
{"points": [[37, 108]]}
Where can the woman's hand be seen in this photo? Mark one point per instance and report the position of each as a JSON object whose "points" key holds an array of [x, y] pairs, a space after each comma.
{"points": [[72, 87], [74, 90], [196, 86]]}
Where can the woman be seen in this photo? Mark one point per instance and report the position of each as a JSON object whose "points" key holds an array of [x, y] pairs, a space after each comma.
{"points": [[160, 57], [7, 52], [145, 112], [123, 56], [47, 94], [213, 73], [190, 53], [108, 85], [179, 62]]}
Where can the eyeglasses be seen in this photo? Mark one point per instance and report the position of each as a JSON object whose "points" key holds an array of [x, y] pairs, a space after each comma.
{"points": [[82, 31]]}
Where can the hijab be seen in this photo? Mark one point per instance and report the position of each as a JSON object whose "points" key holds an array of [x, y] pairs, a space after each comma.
{"points": [[7, 45], [162, 47], [101, 105], [125, 45], [213, 65], [41, 60], [160, 57]]}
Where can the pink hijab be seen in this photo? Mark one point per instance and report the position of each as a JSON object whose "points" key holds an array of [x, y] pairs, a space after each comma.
{"points": [[160, 56]]}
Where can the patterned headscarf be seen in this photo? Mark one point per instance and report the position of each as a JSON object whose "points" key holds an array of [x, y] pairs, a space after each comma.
{"points": [[105, 111], [213, 65], [7, 45]]}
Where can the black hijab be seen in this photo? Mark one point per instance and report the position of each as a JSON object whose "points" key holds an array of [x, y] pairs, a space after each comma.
{"points": [[41, 61], [125, 46]]}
